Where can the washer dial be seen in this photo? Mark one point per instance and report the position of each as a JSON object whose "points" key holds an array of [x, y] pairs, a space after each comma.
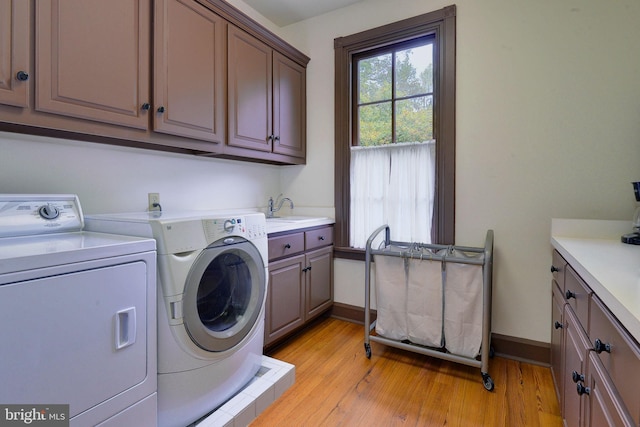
{"points": [[49, 211]]}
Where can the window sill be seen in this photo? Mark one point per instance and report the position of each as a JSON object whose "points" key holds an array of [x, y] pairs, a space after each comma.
{"points": [[346, 252]]}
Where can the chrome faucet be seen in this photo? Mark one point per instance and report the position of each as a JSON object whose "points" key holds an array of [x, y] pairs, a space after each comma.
{"points": [[279, 202]]}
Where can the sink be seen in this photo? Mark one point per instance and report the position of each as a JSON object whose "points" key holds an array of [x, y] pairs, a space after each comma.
{"points": [[294, 218]]}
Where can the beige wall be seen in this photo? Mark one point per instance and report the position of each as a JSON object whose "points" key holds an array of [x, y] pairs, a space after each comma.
{"points": [[548, 125]]}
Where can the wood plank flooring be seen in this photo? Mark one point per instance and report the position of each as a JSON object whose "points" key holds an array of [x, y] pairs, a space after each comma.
{"points": [[336, 385]]}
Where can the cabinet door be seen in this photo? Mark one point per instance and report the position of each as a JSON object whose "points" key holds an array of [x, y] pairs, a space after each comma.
{"points": [[14, 52], [285, 298], [319, 278], [604, 407], [557, 337], [289, 107], [576, 349], [189, 69], [250, 92], [92, 59]]}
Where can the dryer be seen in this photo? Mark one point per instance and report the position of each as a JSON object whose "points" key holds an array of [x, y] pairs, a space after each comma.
{"points": [[212, 275], [77, 317]]}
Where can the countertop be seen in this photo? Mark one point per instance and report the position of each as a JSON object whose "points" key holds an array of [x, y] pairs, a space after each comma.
{"points": [[278, 225], [609, 267]]}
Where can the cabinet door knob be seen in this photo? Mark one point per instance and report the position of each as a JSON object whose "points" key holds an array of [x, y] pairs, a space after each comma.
{"points": [[306, 269], [569, 295], [599, 346], [277, 138], [23, 76], [161, 109], [554, 269], [581, 389], [558, 325], [320, 237], [576, 377], [146, 106], [270, 138], [287, 246]]}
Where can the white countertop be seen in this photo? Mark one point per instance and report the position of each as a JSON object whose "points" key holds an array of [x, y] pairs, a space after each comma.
{"points": [[609, 267], [277, 225]]}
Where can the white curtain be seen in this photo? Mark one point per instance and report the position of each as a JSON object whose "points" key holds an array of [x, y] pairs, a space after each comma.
{"points": [[392, 184]]}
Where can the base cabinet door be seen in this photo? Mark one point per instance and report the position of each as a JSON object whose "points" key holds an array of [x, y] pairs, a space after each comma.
{"points": [[285, 297], [575, 371], [603, 406], [93, 60], [319, 281], [557, 338]]}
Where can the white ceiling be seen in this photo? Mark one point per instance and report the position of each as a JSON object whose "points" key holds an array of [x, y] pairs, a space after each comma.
{"points": [[286, 12]]}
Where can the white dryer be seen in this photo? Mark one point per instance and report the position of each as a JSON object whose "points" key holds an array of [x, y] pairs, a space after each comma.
{"points": [[77, 317], [212, 269]]}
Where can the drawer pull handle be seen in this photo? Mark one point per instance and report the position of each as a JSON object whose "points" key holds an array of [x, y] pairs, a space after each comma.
{"points": [[581, 389], [569, 295], [576, 377], [306, 269], [558, 325], [554, 269], [599, 346], [287, 246]]}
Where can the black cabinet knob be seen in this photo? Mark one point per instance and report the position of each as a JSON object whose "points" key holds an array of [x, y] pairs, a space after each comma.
{"points": [[146, 106], [576, 377], [554, 269], [569, 295], [581, 389], [321, 238], [287, 246], [599, 346], [306, 269], [23, 76], [161, 109], [558, 325], [277, 138]]}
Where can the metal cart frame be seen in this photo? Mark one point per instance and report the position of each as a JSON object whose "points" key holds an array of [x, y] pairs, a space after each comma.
{"points": [[486, 260]]}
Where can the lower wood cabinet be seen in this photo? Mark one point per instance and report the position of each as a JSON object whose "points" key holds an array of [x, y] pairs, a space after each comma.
{"points": [[594, 361], [300, 280]]}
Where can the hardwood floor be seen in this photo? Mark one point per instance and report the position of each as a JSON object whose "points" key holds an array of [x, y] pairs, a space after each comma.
{"points": [[336, 385]]}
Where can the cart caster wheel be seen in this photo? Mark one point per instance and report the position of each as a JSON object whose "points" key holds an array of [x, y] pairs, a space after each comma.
{"points": [[487, 382], [367, 349]]}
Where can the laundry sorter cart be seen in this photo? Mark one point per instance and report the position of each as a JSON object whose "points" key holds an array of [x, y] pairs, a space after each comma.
{"points": [[431, 299]]}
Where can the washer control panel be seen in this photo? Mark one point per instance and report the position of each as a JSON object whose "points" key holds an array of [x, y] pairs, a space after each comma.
{"points": [[30, 214]]}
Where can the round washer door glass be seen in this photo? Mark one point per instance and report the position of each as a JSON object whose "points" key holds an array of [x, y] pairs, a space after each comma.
{"points": [[224, 294]]}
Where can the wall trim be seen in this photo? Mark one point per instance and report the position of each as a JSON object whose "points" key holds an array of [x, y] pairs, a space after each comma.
{"points": [[521, 349]]}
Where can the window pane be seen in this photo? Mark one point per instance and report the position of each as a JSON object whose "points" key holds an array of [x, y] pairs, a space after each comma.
{"points": [[374, 76], [414, 71], [414, 119], [374, 124]]}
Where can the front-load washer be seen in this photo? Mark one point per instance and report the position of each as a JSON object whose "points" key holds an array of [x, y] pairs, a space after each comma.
{"points": [[212, 271], [77, 318]]}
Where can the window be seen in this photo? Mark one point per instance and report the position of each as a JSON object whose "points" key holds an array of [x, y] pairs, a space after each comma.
{"points": [[395, 118]]}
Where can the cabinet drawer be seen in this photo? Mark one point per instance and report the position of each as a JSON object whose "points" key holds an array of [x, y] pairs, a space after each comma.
{"points": [[286, 245], [558, 267], [318, 238], [622, 358], [577, 293]]}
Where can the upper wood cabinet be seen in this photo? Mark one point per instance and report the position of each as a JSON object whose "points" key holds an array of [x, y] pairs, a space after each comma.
{"points": [[189, 71], [92, 60], [267, 100], [15, 41]]}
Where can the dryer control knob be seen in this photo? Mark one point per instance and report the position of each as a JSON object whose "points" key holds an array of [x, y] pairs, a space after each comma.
{"points": [[229, 225], [48, 212]]}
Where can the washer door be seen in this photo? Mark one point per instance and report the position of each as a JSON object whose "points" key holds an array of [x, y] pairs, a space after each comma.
{"points": [[224, 294]]}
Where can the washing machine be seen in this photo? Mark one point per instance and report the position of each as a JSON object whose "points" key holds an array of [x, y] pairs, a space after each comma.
{"points": [[77, 318], [212, 275]]}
